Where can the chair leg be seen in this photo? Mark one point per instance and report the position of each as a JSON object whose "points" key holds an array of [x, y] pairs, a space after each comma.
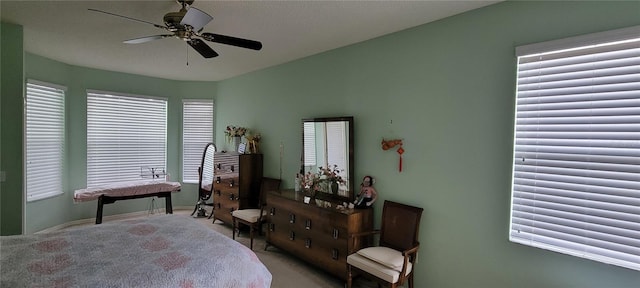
{"points": [[233, 229], [411, 280], [251, 236]]}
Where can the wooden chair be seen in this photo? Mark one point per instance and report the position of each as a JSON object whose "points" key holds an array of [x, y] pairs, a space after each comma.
{"points": [[392, 262], [254, 217]]}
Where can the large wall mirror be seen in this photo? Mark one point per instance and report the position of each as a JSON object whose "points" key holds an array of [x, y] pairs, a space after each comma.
{"points": [[328, 143]]}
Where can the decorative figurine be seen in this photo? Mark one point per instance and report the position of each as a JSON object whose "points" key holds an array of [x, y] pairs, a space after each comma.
{"points": [[367, 195]]}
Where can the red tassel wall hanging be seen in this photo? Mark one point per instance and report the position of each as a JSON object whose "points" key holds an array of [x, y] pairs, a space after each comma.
{"points": [[388, 144], [400, 151]]}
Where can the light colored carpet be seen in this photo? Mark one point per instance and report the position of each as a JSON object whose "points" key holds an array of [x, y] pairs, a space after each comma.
{"points": [[287, 270]]}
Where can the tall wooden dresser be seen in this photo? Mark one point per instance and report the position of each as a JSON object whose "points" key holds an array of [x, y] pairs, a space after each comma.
{"points": [[236, 183], [314, 232]]}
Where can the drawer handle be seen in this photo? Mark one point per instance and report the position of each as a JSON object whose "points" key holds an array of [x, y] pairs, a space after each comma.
{"points": [[335, 233], [292, 218], [307, 243], [218, 166], [232, 197], [272, 227], [232, 168], [272, 211], [218, 179], [231, 183], [307, 224], [334, 254], [231, 210], [292, 235]]}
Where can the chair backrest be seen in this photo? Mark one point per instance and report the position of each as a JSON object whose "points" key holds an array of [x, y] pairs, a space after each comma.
{"points": [[400, 225], [268, 184]]}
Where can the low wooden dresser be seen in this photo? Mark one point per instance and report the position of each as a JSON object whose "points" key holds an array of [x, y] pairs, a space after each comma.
{"points": [[314, 232], [236, 183]]}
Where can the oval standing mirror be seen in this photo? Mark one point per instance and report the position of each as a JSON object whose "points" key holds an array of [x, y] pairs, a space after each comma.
{"points": [[205, 182], [327, 143]]}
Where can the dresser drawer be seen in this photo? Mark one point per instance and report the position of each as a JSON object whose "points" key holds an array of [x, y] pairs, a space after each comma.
{"points": [[318, 235], [321, 251], [236, 183], [225, 163], [225, 182]]}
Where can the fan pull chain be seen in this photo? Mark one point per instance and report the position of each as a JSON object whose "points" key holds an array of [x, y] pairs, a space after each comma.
{"points": [[187, 55]]}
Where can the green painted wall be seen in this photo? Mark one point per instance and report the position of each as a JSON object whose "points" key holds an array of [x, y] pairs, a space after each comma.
{"points": [[446, 88], [11, 111], [56, 210]]}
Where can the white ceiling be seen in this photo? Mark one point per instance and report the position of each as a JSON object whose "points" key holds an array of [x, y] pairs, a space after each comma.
{"points": [[68, 32]]}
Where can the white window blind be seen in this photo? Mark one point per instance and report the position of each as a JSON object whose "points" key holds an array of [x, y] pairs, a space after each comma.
{"points": [[576, 170], [309, 144], [44, 139], [337, 146], [197, 131], [125, 135]]}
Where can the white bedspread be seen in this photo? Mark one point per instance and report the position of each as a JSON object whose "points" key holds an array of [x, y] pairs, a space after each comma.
{"points": [[156, 251], [128, 188]]}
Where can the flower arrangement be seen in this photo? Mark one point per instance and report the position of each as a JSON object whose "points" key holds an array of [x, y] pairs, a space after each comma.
{"points": [[254, 142], [310, 181], [331, 174], [233, 131], [253, 137], [320, 181]]}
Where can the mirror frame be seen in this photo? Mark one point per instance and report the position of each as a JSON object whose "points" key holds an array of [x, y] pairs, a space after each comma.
{"points": [[203, 193], [351, 166]]}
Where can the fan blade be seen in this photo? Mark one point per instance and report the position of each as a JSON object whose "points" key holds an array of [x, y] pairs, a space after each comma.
{"points": [[146, 39], [202, 48], [234, 41], [196, 19], [129, 18]]}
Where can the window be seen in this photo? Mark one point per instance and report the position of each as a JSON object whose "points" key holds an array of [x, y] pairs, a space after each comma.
{"points": [[337, 146], [309, 144], [576, 172], [44, 140], [126, 136], [325, 145], [197, 131]]}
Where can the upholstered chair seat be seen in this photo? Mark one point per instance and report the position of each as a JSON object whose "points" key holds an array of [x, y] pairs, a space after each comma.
{"points": [[254, 217], [248, 215], [386, 265]]}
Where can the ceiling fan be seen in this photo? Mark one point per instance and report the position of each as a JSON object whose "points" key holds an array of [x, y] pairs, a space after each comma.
{"points": [[187, 24]]}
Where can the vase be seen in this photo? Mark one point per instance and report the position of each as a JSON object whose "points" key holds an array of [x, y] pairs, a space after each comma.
{"points": [[334, 187], [236, 143]]}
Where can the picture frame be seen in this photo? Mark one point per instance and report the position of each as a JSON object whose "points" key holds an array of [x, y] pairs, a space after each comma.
{"points": [[242, 148]]}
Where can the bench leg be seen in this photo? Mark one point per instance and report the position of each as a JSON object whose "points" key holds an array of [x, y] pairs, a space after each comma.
{"points": [[99, 212], [167, 203]]}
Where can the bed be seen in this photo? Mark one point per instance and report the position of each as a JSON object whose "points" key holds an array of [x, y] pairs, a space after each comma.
{"points": [[110, 193], [162, 250]]}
